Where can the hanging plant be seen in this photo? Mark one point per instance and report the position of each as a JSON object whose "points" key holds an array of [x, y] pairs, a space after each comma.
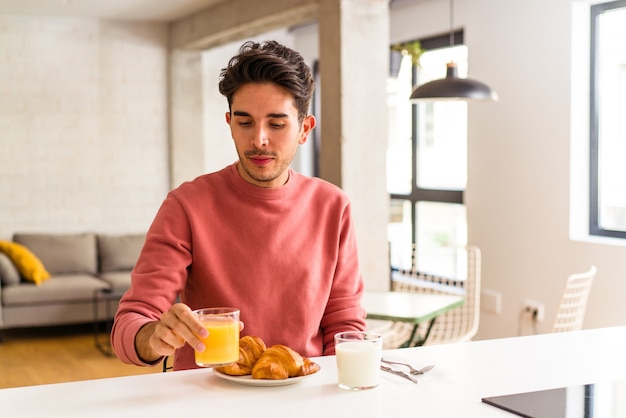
{"points": [[413, 49]]}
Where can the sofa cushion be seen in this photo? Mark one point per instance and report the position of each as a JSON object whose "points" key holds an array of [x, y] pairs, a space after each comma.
{"points": [[27, 263], [8, 272], [119, 252], [63, 253], [119, 281], [59, 289]]}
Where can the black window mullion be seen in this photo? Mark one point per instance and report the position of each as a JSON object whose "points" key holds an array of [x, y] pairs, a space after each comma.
{"points": [[594, 140], [432, 195], [594, 227]]}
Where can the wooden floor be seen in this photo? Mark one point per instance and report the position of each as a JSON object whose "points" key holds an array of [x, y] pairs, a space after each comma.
{"points": [[57, 354]]}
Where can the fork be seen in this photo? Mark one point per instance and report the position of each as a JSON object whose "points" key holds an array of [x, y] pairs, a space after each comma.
{"points": [[411, 368], [398, 373]]}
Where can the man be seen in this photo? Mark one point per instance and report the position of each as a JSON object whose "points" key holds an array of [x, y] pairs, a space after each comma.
{"points": [[255, 235]]}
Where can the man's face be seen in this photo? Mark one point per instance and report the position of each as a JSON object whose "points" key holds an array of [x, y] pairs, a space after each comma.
{"points": [[264, 126]]}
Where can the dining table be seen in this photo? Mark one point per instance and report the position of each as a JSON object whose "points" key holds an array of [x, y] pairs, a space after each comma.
{"points": [[412, 307], [465, 374]]}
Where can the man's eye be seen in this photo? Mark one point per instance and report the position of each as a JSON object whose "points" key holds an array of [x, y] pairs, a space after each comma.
{"points": [[277, 125], [244, 123]]}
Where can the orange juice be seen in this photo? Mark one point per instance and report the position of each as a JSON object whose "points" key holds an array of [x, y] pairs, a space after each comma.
{"points": [[222, 344]]}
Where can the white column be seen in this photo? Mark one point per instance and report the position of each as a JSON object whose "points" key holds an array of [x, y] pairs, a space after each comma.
{"points": [[354, 59], [186, 116]]}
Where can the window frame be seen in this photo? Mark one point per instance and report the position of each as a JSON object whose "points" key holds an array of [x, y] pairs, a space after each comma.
{"points": [[594, 114], [419, 194]]}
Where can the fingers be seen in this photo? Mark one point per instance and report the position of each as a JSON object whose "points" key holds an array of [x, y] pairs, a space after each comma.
{"points": [[177, 327]]}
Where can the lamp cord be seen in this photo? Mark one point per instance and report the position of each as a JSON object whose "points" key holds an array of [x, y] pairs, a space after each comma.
{"points": [[451, 23]]}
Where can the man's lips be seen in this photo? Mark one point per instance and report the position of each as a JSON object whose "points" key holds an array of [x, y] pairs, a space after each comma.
{"points": [[260, 160]]}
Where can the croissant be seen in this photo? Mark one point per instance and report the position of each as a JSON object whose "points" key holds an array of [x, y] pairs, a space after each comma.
{"points": [[309, 367], [278, 362], [250, 350]]}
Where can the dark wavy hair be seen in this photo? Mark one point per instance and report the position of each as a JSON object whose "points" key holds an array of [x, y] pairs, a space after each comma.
{"points": [[269, 62]]}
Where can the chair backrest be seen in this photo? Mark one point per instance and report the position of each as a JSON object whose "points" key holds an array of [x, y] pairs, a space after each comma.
{"points": [[573, 306], [459, 324]]}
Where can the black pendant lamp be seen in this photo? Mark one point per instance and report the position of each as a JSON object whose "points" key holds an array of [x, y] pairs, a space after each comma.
{"points": [[452, 87]]}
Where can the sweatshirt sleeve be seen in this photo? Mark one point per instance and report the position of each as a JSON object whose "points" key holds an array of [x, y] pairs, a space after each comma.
{"points": [[156, 280], [344, 311]]}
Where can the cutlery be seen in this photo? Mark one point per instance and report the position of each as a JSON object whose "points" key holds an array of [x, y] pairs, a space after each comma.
{"points": [[413, 370], [397, 373]]}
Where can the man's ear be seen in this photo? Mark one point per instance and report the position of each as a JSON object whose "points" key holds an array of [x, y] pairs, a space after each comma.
{"points": [[227, 117], [308, 123]]}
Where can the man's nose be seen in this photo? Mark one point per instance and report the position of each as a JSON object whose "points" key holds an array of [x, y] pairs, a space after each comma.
{"points": [[260, 138]]}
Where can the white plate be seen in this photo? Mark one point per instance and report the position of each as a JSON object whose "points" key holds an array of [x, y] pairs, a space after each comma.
{"points": [[249, 381]]}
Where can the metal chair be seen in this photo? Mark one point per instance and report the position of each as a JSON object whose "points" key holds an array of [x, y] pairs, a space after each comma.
{"points": [[459, 324], [571, 312]]}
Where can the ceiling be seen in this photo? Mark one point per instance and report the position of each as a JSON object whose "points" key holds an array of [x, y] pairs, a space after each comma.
{"points": [[149, 10]]}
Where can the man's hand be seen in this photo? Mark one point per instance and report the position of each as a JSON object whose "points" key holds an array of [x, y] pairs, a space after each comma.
{"points": [[177, 327]]}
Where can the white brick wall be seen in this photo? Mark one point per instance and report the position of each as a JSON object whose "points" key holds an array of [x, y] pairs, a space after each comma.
{"points": [[83, 124]]}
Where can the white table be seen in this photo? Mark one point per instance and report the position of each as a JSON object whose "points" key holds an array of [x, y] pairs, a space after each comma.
{"points": [[464, 374], [415, 308]]}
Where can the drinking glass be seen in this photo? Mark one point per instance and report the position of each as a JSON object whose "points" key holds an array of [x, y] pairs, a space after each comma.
{"points": [[358, 359], [222, 343]]}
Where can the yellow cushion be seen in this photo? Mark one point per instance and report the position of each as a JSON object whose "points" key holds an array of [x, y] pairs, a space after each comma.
{"points": [[29, 266]]}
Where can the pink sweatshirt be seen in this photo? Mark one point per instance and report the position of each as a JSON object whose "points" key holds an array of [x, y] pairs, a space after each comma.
{"points": [[286, 257]]}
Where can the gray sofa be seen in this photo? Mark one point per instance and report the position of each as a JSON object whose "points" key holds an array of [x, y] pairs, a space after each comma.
{"points": [[81, 266]]}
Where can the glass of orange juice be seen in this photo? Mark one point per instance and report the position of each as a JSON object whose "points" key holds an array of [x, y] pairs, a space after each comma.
{"points": [[222, 344]]}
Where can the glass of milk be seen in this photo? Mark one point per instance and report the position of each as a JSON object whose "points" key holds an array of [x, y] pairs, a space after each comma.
{"points": [[358, 359]]}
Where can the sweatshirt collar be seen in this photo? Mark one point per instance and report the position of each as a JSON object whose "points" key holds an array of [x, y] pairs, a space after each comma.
{"points": [[261, 192]]}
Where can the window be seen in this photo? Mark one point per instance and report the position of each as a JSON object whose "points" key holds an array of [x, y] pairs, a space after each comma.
{"points": [[607, 210], [426, 160]]}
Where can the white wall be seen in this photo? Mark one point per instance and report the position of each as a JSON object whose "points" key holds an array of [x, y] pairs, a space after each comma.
{"points": [[83, 124], [521, 160]]}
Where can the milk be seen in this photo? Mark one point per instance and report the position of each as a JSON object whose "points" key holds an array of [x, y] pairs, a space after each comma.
{"points": [[358, 364]]}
